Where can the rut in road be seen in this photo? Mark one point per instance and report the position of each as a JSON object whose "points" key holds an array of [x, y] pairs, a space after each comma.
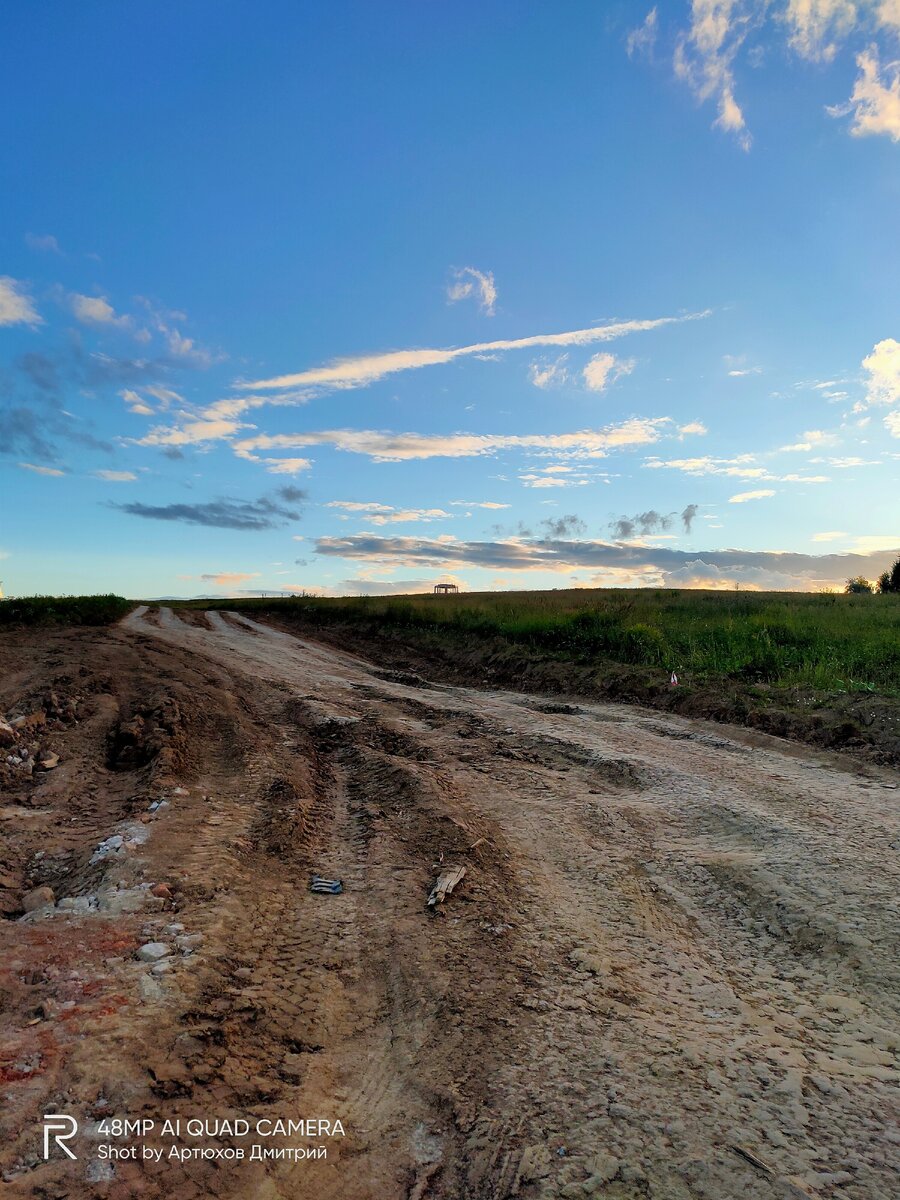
{"points": [[669, 972]]}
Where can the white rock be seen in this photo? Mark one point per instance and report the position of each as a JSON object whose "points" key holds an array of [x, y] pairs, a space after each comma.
{"points": [[153, 951]]}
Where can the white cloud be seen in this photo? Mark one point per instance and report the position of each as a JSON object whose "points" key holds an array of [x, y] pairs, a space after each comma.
{"points": [[549, 374], [42, 241], [16, 307], [872, 543], [186, 348], [401, 447], [693, 427], [403, 516], [548, 477], [366, 369], [740, 372], [643, 39], [817, 25], [811, 439], [136, 403], [165, 395], [830, 535], [892, 424], [41, 470], [359, 505], [744, 466], [705, 54], [477, 504], [193, 432], [883, 368], [470, 282], [96, 310], [286, 466], [115, 476], [605, 369], [875, 100], [743, 497], [704, 57]]}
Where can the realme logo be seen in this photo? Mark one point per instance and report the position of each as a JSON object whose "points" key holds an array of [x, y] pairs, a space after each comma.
{"points": [[62, 1127]]}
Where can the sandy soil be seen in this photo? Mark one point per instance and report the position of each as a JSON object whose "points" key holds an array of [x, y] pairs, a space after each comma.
{"points": [[670, 971]]}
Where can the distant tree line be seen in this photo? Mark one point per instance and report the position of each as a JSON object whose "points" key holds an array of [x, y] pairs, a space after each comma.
{"points": [[887, 581]]}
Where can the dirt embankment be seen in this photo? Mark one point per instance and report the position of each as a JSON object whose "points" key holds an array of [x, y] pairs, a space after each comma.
{"points": [[862, 723]]}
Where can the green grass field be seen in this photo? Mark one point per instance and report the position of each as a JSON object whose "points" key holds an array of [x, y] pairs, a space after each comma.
{"points": [[828, 641]]}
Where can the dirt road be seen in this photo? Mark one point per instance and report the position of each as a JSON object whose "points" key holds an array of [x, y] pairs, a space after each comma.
{"points": [[670, 972]]}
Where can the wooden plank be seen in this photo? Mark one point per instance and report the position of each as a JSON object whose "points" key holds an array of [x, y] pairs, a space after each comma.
{"points": [[446, 882]]}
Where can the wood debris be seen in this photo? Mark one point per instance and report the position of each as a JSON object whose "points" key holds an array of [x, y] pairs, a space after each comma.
{"points": [[446, 882]]}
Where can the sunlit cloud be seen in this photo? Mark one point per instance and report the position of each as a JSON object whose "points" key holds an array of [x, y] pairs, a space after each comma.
{"points": [[883, 369], [704, 57], [39, 470], [115, 476], [16, 307], [96, 310], [478, 504], [361, 371], [743, 497], [637, 565], [706, 51], [642, 40], [230, 578], [468, 282], [549, 374], [400, 447], [875, 100], [816, 26], [604, 369]]}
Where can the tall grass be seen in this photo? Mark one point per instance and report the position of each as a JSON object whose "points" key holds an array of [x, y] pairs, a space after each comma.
{"points": [[832, 642], [62, 610]]}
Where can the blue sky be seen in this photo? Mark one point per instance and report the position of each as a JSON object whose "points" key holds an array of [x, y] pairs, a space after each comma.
{"points": [[355, 297]]}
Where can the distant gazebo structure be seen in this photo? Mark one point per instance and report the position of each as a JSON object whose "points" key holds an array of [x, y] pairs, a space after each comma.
{"points": [[445, 589]]}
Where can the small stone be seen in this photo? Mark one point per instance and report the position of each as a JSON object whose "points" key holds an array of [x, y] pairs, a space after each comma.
{"points": [[153, 951], [33, 721], [41, 897], [163, 967], [603, 1168], [161, 889], [621, 1111], [48, 762], [149, 988], [7, 733], [187, 943]]}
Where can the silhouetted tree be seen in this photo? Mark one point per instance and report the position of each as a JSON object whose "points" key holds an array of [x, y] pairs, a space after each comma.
{"points": [[858, 586], [889, 581]]}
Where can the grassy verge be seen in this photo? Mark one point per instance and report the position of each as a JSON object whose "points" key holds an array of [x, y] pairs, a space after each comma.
{"points": [[62, 610], [823, 669], [827, 642]]}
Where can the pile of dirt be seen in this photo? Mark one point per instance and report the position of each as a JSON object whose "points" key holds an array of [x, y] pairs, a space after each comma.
{"points": [[862, 723]]}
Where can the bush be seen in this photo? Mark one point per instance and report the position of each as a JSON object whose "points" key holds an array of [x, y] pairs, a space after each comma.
{"points": [[63, 610], [858, 586]]}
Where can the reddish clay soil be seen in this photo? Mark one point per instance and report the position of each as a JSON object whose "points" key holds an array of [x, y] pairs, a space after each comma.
{"points": [[670, 971]]}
